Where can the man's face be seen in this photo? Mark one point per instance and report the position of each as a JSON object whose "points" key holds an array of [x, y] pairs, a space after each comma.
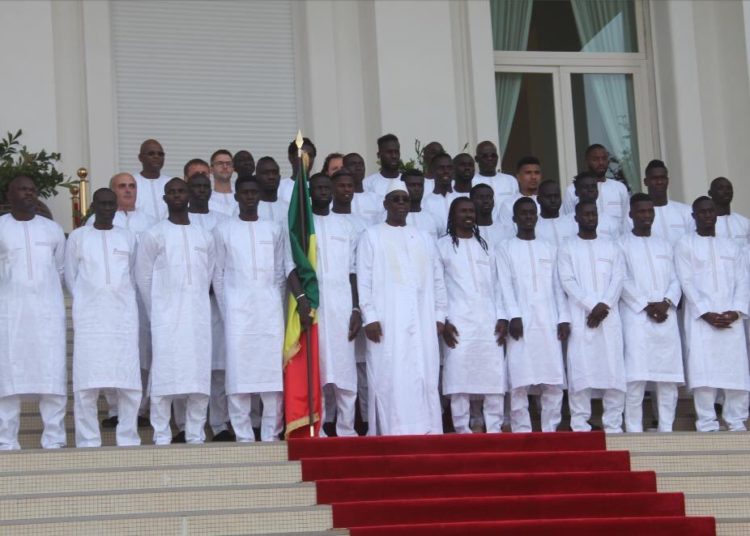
{"points": [[247, 196], [222, 167], [320, 191], [397, 206], [484, 200], [390, 155], [549, 197], [268, 176], [597, 162], [587, 189], [429, 152], [642, 213], [704, 215], [529, 177], [334, 164], [198, 168], [176, 195], [105, 206], [525, 216], [463, 167], [487, 158], [343, 189], [587, 218], [126, 190], [152, 156], [442, 170], [465, 215], [200, 189], [22, 194], [356, 164], [244, 163], [721, 192], [657, 180], [415, 187]]}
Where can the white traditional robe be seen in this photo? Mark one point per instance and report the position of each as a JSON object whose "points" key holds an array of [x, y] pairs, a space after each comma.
{"points": [[378, 184], [401, 287], [439, 206], [99, 273], [653, 351], [135, 221], [555, 230], [592, 271], [208, 222], [494, 235], [150, 197], [477, 364], [427, 222], [503, 186], [613, 203], [337, 244], [713, 273], [286, 186], [174, 266], [369, 207], [223, 202], [734, 226], [253, 261], [277, 211], [671, 222], [32, 311], [531, 291]]}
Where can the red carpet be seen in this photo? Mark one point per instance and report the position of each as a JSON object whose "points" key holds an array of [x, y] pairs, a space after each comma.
{"points": [[530, 484]]}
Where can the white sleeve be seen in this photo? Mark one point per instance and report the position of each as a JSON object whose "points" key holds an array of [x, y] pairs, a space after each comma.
{"points": [[148, 251], [684, 267], [614, 289], [441, 295], [71, 262], [60, 253], [365, 255], [742, 284], [570, 284], [507, 307], [218, 277], [561, 301], [631, 293]]}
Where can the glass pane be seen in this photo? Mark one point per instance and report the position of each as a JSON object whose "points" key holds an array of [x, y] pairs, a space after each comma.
{"points": [[564, 25], [604, 112], [526, 120]]}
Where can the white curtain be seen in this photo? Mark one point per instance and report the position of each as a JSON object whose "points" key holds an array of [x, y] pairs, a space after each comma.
{"points": [[511, 20], [604, 26]]}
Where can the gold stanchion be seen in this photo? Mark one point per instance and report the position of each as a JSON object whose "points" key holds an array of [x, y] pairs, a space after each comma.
{"points": [[83, 191]]}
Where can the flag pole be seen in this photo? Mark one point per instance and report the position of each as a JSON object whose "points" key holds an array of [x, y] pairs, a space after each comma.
{"points": [[302, 202]]}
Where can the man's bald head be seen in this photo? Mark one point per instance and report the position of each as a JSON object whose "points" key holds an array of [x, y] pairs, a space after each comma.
{"points": [[126, 190], [151, 156], [22, 196]]}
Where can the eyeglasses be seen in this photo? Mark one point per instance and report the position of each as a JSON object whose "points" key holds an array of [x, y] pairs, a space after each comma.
{"points": [[399, 198], [154, 153], [223, 163]]}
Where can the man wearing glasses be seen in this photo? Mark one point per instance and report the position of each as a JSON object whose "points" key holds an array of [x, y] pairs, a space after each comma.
{"points": [[150, 180], [222, 168]]}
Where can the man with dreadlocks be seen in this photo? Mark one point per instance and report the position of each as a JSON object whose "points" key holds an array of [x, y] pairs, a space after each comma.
{"points": [[535, 303], [475, 327]]}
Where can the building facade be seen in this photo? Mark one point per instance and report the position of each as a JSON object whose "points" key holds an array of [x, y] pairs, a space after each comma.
{"points": [[648, 78]]}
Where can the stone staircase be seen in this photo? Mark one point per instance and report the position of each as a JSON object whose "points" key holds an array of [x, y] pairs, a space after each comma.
{"points": [[226, 488]]}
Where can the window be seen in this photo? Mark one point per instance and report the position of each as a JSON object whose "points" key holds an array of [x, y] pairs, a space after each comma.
{"points": [[569, 73]]}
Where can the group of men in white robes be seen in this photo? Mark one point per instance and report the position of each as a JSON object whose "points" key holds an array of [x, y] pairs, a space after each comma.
{"points": [[478, 290]]}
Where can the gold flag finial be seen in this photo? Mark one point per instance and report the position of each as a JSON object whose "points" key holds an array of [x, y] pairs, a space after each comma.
{"points": [[298, 141]]}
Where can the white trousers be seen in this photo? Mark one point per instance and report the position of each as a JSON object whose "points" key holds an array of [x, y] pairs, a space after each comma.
{"points": [[271, 422], [51, 408], [86, 416], [734, 411], [111, 396], [492, 410], [344, 403], [580, 410], [218, 415], [551, 414], [666, 405], [362, 389], [195, 417]]}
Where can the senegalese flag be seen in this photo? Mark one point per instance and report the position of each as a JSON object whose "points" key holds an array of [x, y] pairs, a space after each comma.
{"points": [[296, 381]]}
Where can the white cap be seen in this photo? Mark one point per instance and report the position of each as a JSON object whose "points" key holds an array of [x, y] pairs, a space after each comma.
{"points": [[396, 185]]}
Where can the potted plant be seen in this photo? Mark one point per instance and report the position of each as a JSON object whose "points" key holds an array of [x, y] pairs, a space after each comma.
{"points": [[16, 159]]}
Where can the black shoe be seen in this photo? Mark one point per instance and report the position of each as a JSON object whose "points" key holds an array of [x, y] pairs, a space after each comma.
{"points": [[143, 422], [110, 422], [256, 432], [225, 435], [179, 438], [330, 429]]}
